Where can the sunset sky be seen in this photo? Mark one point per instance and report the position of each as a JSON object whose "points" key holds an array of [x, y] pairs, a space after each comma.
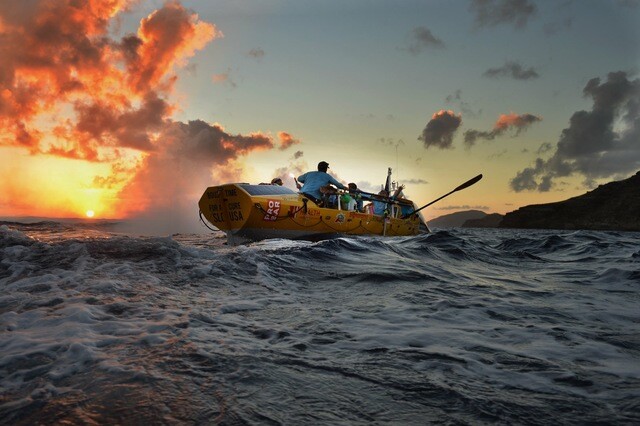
{"points": [[131, 109]]}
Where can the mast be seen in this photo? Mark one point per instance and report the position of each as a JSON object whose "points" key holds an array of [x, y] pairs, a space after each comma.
{"points": [[387, 185]]}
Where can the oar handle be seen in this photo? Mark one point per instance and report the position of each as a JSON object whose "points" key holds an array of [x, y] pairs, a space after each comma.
{"points": [[377, 197], [366, 193]]}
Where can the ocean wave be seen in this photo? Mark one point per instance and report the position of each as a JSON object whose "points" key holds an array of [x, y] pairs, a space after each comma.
{"points": [[458, 326]]}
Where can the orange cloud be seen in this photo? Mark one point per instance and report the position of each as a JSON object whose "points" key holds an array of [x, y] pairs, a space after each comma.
{"points": [[516, 121], [286, 140], [165, 38], [224, 78], [69, 90], [442, 113], [57, 54], [47, 47]]}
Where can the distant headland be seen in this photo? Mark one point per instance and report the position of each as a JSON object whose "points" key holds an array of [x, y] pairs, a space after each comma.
{"points": [[614, 206]]}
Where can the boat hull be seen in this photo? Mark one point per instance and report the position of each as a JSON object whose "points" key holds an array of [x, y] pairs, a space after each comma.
{"points": [[255, 212]]}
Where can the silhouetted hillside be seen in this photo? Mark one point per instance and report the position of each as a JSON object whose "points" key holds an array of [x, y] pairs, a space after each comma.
{"points": [[455, 220], [614, 206], [488, 221]]}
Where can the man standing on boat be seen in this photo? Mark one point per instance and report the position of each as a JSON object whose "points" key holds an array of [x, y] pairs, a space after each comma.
{"points": [[313, 181]]}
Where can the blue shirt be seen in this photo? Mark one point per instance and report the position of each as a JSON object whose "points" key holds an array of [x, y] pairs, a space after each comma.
{"points": [[313, 181], [379, 207], [405, 210]]}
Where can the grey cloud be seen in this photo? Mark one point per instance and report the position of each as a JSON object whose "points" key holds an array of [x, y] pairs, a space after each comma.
{"points": [[506, 122], [391, 142], [367, 186], [285, 172], [440, 130], [99, 121], [464, 207], [553, 28], [456, 100], [491, 13], [545, 147], [545, 184], [415, 181], [471, 136], [497, 155], [525, 180], [256, 53], [512, 69], [211, 144], [601, 143], [422, 38]]}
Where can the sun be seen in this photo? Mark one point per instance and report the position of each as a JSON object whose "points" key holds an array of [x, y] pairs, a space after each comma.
{"points": [[90, 213]]}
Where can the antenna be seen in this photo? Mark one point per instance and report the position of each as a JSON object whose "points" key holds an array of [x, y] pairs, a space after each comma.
{"points": [[397, 158], [397, 144]]}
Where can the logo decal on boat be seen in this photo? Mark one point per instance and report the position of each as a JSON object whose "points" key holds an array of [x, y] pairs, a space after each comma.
{"points": [[214, 194], [340, 218], [273, 210]]}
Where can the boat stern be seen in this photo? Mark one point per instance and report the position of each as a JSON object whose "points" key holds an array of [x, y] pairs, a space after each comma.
{"points": [[226, 207], [249, 212]]}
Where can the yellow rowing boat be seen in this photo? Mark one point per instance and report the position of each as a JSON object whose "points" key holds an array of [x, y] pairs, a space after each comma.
{"points": [[255, 212]]}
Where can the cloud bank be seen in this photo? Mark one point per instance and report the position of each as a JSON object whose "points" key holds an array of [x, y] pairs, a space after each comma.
{"points": [[60, 54], [601, 143]]}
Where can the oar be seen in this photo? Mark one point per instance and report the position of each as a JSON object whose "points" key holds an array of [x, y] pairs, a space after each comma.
{"points": [[460, 188], [371, 194], [378, 197]]}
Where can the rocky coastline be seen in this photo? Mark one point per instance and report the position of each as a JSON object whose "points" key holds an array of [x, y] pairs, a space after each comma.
{"points": [[614, 206]]}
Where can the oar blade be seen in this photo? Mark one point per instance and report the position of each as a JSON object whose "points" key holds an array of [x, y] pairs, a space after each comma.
{"points": [[468, 183]]}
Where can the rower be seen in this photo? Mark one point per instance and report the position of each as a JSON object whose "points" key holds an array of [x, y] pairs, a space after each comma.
{"points": [[313, 181]]}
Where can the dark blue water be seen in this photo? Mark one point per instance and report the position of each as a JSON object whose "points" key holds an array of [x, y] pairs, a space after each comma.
{"points": [[456, 327]]}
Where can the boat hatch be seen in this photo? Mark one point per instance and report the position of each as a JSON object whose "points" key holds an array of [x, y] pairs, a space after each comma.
{"points": [[267, 189]]}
